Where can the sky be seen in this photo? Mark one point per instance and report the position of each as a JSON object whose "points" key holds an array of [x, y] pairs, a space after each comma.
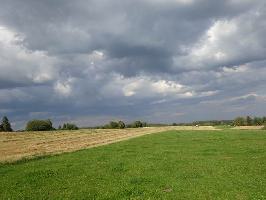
{"points": [[92, 61]]}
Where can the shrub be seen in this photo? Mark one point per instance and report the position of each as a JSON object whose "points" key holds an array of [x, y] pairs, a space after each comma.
{"points": [[239, 121], [39, 125], [113, 124], [249, 121], [68, 126], [137, 124], [121, 125], [258, 121]]}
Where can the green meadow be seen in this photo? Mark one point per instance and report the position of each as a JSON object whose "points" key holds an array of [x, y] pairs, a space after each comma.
{"points": [[226, 164]]}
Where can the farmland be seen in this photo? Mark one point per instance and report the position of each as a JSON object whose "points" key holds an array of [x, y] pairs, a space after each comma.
{"points": [[174, 164], [17, 146]]}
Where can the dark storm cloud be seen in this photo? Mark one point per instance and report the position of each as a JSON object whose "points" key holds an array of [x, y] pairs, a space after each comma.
{"points": [[149, 59]]}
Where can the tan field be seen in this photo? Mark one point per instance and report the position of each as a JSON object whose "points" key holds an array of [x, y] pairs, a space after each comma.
{"points": [[248, 127], [16, 146]]}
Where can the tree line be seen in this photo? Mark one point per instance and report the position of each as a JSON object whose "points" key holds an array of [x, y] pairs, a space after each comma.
{"points": [[47, 125], [249, 121], [206, 123], [238, 121], [122, 125]]}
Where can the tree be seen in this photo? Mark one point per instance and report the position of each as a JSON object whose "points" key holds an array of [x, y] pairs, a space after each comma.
{"points": [[144, 124], [258, 121], [64, 126], [264, 120], [59, 127], [5, 125], [121, 125], [239, 121], [50, 122], [39, 125], [249, 121], [69, 126], [137, 124], [113, 124]]}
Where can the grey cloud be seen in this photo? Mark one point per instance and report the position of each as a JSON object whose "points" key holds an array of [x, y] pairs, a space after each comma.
{"points": [[148, 59]]}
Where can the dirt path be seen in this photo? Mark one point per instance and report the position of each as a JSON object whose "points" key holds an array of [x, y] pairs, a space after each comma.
{"points": [[16, 146]]}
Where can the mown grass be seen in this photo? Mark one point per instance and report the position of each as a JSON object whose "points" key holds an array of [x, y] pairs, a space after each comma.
{"points": [[228, 164]]}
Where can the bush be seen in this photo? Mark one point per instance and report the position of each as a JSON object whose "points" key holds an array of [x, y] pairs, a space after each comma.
{"points": [[115, 125], [137, 124], [121, 125], [258, 121], [239, 121], [69, 126], [39, 125]]}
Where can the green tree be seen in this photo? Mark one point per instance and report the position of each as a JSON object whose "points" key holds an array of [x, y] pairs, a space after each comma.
{"points": [[239, 121], [249, 121], [121, 125], [137, 124], [39, 125], [113, 124], [258, 121], [64, 127], [6, 126], [144, 124], [69, 126]]}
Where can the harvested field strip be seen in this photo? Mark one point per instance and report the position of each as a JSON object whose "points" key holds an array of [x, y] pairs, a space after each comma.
{"points": [[248, 127], [15, 146]]}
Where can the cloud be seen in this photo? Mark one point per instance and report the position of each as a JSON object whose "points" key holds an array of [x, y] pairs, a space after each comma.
{"points": [[228, 42], [20, 66], [88, 61], [63, 88]]}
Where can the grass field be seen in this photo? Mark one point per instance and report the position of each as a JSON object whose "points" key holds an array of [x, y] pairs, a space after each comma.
{"points": [[227, 164]]}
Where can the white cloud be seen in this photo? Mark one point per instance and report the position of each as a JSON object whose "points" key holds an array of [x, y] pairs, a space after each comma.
{"points": [[64, 88], [145, 86], [228, 41], [17, 64]]}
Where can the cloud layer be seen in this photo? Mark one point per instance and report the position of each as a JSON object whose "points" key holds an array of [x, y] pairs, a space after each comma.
{"points": [[160, 61]]}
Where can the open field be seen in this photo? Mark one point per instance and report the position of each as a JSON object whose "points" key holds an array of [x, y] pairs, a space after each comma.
{"points": [[15, 146], [227, 164], [248, 127]]}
